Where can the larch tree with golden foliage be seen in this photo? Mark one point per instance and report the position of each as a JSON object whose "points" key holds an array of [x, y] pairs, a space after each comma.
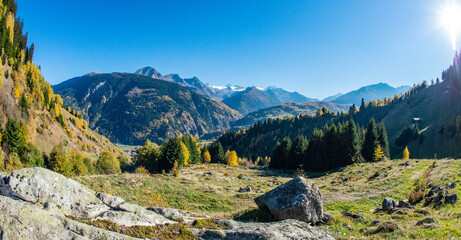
{"points": [[185, 153], [206, 157], [232, 158], [406, 154]]}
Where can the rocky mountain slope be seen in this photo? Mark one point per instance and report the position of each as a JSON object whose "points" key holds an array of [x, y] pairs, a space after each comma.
{"points": [[369, 93], [131, 108], [287, 110]]}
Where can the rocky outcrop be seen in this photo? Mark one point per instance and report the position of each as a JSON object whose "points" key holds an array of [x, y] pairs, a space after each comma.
{"points": [[297, 199], [22, 220], [284, 230], [60, 208]]}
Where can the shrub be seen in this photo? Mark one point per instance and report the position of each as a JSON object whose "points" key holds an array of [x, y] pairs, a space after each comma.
{"points": [[108, 163], [141, 170], [89, 166], [2, 159], [59, 160], [78, 162], [13, 162], [415, 196]]}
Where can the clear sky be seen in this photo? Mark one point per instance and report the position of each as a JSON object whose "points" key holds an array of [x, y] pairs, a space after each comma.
{"points": [[315, 47]]}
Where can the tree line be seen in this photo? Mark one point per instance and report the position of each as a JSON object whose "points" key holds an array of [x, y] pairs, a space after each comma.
{"points": [[333, 146]]}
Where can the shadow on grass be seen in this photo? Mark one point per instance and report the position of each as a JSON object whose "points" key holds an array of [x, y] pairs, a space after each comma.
{"points": [[255, 215]]}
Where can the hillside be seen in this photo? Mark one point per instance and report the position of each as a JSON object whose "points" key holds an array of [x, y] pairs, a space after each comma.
{"points": [[436, 108], [349, 189], [131, 108], [369, 93], [28, 101], [288, 110]]}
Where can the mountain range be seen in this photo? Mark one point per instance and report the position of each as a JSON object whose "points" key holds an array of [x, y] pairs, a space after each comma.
{"points": [[244, 100], [368, 93], [131, 108]]}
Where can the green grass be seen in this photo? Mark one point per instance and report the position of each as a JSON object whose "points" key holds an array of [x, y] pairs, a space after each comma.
{"points": [[218, 195]]}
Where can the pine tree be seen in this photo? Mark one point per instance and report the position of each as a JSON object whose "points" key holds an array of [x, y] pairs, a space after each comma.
{"points": [[281, 154], [15, 135], [297, 153], [383, 141], [352, 143], [406, 154], [170, 152], [217, 153], [371, 141], [194, 149], [362, 105]]}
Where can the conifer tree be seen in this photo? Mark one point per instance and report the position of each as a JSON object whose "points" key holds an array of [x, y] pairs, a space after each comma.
{"points": [[383, 141], [206, 157], [371, 141], [231, 158], [185, 155], [15, 135], [281, 154], [352, 143], [297, 153], [217, 153], [170, 152], [378, 154]]}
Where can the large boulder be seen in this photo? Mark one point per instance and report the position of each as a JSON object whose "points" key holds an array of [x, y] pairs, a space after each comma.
{"points": [[22, 220], [297, 199], [288, 229], [45, 187]]}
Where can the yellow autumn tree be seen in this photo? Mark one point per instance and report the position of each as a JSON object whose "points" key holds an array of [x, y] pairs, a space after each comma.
{"points": [[206, 157], [406, 154], [185, 153], [231, 158], [378, 154]]}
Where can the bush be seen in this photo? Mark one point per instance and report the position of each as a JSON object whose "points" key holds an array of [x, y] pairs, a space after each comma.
{"points": [[59, 160], [416, 197], [78, 162], [13, 162], [141, 170], [2, 160], [89, 166], [108, 163]]}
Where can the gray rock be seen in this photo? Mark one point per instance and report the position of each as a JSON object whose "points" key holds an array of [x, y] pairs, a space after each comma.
{"points": [[109, 200], [247, 189], [178, 215], [427, 223], [150, 216], [375, 222], [451, 199], [434, 191], [404, 204], [209, 173], [354, 216], [127, 219], [297, 199], [22, 220], [285, 230], [388, 204], [41, 185], [450, 185]]}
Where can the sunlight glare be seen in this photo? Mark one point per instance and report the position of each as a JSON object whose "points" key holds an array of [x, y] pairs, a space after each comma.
{"points": [[450, 19]]}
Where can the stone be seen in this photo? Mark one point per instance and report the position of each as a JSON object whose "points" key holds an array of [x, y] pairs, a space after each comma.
{"points": [[247, 189], [388, 204], [41, 185], [434, 191], [375, 222], [209, 173], [386, 227], [297, 199], [23, 220], [109, 200], [451, 199], [450, 185], [127, 219], [150, 216], [404, 204], [285, 230], [427, 222], [354, 216], [186, 217]]}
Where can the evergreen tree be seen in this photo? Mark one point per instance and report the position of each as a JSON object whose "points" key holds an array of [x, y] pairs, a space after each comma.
{"points": [[371, 141], [362, 105], [281, 154], [217, 153], [314, 153], [15, 135], [297, 153], [352, 143], [170, 153], [194, 149], [383, 141]]}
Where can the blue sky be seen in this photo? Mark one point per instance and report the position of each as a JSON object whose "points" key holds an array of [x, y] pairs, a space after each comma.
{"points": [[317, 48]]}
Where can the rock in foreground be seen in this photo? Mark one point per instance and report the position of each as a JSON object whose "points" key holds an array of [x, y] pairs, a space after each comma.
{"points": [[297, 199], [284, 230]]}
